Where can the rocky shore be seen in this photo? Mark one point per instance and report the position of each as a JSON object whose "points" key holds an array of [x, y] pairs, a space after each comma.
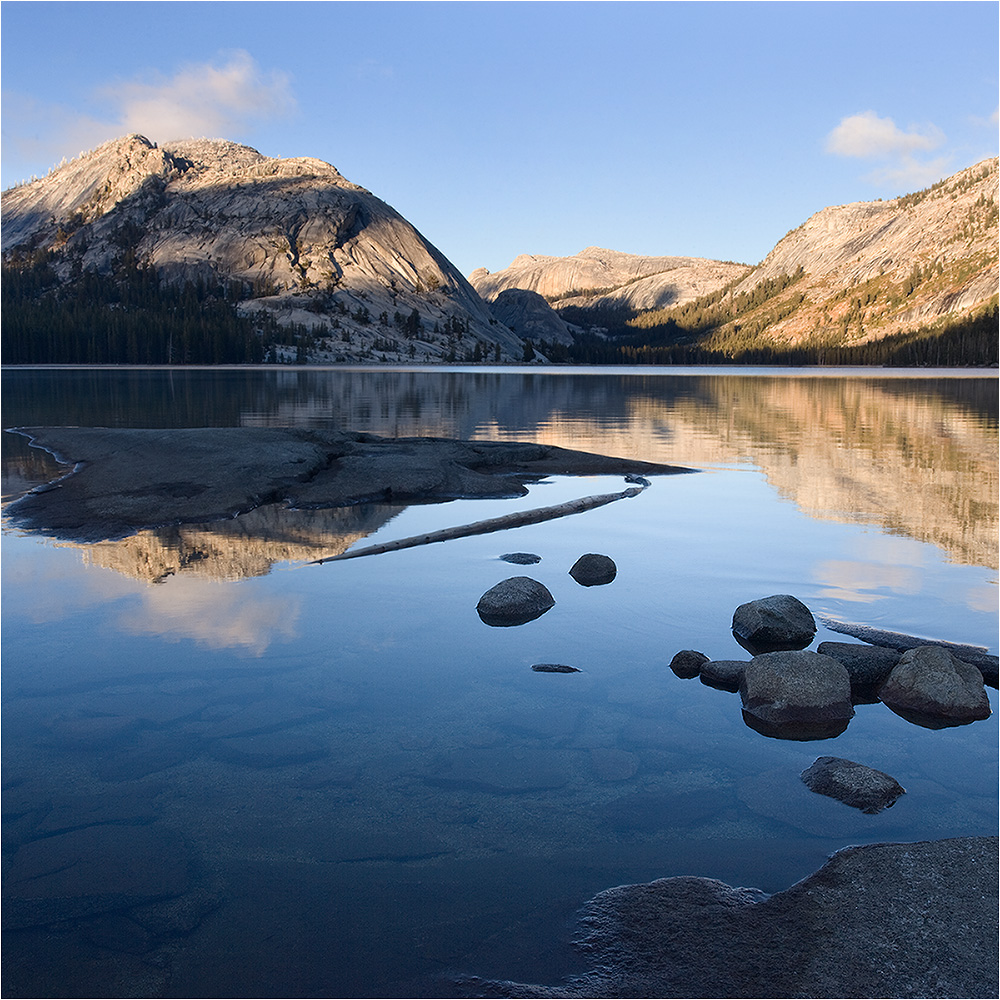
{"points": [[125, 480], [885, 920]]}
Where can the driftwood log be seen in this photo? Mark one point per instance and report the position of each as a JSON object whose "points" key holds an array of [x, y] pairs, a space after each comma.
{"points": [[515, 520], [978, 656]]}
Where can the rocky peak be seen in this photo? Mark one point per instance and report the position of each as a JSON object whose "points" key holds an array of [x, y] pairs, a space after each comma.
{"points": [[317, 250]]}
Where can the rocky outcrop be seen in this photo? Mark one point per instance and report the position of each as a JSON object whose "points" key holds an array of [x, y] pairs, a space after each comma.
{"points": [[932, 687], [853, 784], [609, 279], [308, 246], [530, 316], [885, 920], [877, 268], [515, 601], [796, 695], [773, 623], [125, 480]]}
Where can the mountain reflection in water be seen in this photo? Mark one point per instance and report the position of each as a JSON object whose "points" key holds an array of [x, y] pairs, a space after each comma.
{"points": [[887, 451]]}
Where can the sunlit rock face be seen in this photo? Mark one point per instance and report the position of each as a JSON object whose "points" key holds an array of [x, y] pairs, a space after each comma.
{"points": [[608, 278], [949, 231], [311, 247]]}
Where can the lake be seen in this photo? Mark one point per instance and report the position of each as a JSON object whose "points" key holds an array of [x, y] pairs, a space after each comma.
{"points": [[230, 773]]}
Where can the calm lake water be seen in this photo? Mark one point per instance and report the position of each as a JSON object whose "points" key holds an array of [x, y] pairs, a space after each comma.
{"points": [[230, 774]]}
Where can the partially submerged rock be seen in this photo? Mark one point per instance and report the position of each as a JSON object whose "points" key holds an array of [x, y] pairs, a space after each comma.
{"points": [[593, 570], [688, 663], [867, 666], [726, 675], [772, 623], [796, 695], [124, 479], [554, 668], [514, 601], [853, 784], [521, 558], [979, 656], [931, 687], [884, 920]]}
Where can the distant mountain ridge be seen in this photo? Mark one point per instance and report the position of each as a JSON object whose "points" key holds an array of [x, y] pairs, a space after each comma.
{"points": [[596, 277], [850, 276]]}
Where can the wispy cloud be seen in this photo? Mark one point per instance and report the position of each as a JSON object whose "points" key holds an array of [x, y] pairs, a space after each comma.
{"points": [[866, 136], [221, 99], [202, 99]]}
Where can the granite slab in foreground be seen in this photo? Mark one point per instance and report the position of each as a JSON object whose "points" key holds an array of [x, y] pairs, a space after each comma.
{"points": [[125, 480], [884, 920]]}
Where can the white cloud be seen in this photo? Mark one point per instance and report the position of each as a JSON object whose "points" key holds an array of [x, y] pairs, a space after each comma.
{"points": [[221, 99], [866, 136], [202, 100]]}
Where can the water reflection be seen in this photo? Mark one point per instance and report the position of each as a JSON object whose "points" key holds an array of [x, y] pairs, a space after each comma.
{"points": [[916, 457], [240, 547]]}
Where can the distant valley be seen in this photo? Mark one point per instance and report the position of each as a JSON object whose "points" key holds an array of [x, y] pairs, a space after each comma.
{"points": [[206, 251]]}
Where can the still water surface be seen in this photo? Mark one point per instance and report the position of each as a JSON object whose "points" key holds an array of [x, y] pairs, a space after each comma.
{"points": [[228, 773]]}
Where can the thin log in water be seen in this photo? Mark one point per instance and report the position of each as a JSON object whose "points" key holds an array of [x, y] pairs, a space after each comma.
{"points": [[515, 520], [976, 655]]}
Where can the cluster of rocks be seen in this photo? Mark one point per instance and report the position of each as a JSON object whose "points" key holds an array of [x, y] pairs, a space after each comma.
{"points": [[791, 693], [520, 599]]}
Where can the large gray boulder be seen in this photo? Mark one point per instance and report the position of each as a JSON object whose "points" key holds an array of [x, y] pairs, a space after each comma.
{"points": [[867, 666], [853, 784], [773, 623], [933, 688], [514, 601], [796, 695]]}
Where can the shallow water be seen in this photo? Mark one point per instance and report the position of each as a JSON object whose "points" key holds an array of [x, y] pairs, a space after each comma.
{"points": [[228, 773]]}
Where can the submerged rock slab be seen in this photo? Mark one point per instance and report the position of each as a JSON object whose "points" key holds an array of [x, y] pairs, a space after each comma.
{"points": [[853, 784], [124, 480], [885, 920]]}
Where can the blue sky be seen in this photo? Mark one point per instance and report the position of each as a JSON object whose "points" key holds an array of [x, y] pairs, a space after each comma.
{"points": [[703, 129]]}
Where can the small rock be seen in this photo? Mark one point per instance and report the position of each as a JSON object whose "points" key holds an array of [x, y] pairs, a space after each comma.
{"points": [[725, 675], [593, 570], [773, 623], [853, 784], [796, 695], [932, 688], [867, 666], [521, 558], [514, 602], [554, 668], [688, 663]]}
